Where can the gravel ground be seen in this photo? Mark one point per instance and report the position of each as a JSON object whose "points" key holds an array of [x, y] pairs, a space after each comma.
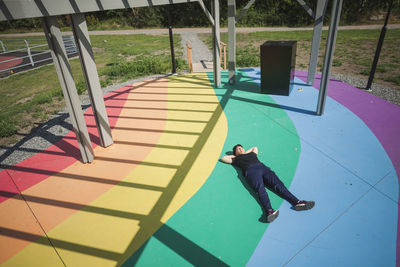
{"points": [[199, 50], [379, 90]]}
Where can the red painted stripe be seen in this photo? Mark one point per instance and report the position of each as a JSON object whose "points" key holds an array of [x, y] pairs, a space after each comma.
{"points": [[60, 155]]}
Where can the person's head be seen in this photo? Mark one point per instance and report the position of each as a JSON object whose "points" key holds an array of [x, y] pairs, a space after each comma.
{"points": [[238, 149]]}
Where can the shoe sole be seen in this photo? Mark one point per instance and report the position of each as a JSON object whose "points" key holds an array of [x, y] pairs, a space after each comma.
{"points": [[309, 205], [272, 217]]}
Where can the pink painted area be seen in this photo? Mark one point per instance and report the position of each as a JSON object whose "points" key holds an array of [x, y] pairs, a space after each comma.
{"points": [[6, 65], [60, 155], [383, 118]]}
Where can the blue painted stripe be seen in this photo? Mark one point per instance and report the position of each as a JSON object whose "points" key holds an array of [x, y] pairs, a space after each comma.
{"points": [[346, 170]]}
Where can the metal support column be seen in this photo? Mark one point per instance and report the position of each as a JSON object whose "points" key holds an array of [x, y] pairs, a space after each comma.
{"points": [[232, 19], [318, 23], [231, 40], [89, 69], [378, 48], [244, 10], [171, 41], [329, 51], [216, 42], [53, 35]]}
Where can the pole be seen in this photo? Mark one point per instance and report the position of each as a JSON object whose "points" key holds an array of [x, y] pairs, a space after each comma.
{"points": [[316, 40], [216, 43], [231, 40], [85, 51], [171, 41], [28, 49], [330, 48], [2, 46], [54, 39], [378, 48]]}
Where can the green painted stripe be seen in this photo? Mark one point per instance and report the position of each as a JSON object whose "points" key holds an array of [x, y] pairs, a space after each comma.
{"points": [[219, 225]]}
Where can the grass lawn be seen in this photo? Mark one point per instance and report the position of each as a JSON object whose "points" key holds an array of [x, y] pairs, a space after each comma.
{"points": [[354, 52], [30, 98]]}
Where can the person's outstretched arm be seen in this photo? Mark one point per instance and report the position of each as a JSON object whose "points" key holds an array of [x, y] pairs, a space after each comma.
{"points": [[227, 159], [253, 149]]}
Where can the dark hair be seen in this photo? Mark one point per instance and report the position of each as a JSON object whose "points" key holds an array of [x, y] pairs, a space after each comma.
{"points": [[234, 149]]}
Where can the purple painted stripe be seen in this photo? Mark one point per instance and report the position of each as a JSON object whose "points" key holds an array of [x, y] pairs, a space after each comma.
{"points": [[382, 118]]}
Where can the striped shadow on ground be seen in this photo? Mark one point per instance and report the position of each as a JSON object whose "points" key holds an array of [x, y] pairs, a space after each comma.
{"points": [[219, 225]]}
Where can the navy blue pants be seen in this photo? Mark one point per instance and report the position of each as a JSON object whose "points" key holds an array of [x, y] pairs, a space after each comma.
{"points": [[259, 176]]}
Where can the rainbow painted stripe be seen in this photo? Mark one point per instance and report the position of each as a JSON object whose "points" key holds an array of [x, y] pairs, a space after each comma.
{"points": [[159, 196]]}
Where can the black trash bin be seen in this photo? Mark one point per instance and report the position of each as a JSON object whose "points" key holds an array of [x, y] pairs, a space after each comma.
{"points": [[278, 61]]}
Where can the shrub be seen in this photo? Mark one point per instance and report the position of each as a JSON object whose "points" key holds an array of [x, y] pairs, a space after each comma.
{"points": [[247, 57], [141, 66], [81, 86]]}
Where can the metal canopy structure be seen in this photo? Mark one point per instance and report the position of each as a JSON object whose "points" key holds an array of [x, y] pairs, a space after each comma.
{"points": [[48, 10], [318, 17]]}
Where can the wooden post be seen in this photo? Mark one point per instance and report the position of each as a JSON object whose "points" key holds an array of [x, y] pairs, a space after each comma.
{"points": [[223, 45], [189, 56]]}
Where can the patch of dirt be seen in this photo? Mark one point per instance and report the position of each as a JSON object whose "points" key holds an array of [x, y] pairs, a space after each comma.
{"points": [[98, 49], [23, 100]]}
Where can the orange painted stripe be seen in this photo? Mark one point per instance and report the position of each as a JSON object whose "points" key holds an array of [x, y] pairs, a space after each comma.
{"points": [[61, 195]]}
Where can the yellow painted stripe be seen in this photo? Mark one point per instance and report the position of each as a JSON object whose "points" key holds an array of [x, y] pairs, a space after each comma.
{"points": [[131, 211]]}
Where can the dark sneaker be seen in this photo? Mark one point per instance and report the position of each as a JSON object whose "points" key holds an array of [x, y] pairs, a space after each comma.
{"points": [[272, 215], [304, 205]]}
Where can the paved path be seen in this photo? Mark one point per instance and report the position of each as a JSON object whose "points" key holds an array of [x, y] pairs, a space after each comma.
{"points": [[205, 30]]}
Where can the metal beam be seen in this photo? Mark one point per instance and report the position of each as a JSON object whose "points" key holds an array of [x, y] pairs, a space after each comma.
{"points": [[244, 10], [232, 19], [171, 40], [378, 48], [89, 69], [21, 9], [53, 35], [216, 43], [330, 48], [231, 40], [208, 14], [316, 41], [307, 8]]}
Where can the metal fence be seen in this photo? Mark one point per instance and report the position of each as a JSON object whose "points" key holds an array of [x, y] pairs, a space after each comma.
{"points": [[23, 54]]}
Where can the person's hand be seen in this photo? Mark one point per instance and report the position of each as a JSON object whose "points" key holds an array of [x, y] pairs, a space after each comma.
{"points": [[253, 149]]}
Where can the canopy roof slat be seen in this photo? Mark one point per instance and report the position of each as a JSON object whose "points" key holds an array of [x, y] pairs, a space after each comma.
{"points": [[22, 9]]}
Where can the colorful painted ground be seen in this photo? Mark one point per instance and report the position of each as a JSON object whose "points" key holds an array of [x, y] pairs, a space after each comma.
{"points": [[159, 196]]}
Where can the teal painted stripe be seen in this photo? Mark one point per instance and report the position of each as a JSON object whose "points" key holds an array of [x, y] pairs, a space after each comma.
{"points": [[219, 225]]}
